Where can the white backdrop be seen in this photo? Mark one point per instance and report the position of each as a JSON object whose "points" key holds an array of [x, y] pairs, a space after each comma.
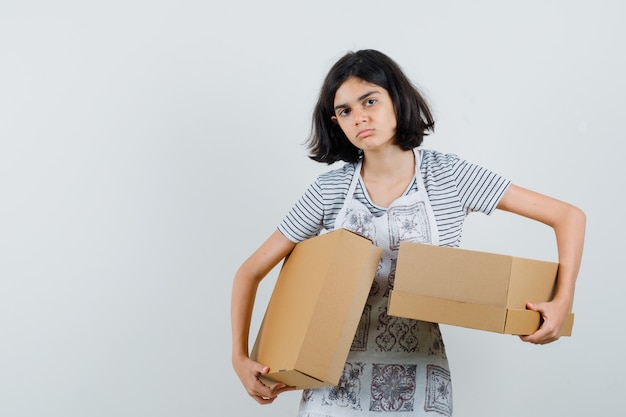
{"points": [[147, 147]]}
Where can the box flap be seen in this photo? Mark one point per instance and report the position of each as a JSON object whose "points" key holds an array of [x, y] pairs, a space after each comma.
{"points": [[292, 378], [446, 311], [525, 322], [522, 322]]}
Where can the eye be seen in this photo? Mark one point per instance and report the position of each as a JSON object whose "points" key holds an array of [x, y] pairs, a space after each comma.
{"points": [[370, 102], [343, 112]]}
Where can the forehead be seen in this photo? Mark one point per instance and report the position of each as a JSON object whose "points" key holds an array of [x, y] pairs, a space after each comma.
{"points": [[353, 88]]}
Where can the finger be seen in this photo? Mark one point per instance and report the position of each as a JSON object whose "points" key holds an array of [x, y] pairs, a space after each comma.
{"points": [[537, 336], [284, 389], [279, 388], [262, 394], [263, 400], [550, 326], [260, 390], [262, 369], [533, 338], [539, 339], [265, 394], [546, 333]]}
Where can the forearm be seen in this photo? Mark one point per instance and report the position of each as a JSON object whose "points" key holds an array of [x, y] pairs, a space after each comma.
{"points": [[245, 285], [569, 230], [242, 303]]}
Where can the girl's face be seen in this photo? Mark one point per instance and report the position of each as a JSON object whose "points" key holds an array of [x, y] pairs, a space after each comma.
{"points": [[365, 113]]}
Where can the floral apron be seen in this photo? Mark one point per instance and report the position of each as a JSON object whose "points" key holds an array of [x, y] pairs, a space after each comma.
{"points": [[396, 366]]}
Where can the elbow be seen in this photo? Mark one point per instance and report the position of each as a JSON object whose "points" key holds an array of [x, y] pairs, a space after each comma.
{"points": [[569, 219], [580, 216], [247, 274], [575, 219]]}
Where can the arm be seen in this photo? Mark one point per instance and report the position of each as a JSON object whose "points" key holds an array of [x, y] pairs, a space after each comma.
{"points": [[568, 223], [245, 285]]}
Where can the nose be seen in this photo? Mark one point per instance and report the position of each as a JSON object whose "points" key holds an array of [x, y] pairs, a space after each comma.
{"points": [[360, 115]]}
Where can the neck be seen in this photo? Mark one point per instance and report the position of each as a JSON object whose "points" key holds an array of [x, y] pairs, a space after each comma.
{"points": [[390, 165]]}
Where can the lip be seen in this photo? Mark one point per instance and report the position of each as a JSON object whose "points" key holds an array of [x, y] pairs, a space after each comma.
{"points": [[364, 133]]}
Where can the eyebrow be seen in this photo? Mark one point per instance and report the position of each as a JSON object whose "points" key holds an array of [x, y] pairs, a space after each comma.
{"points": [[341, 106]]}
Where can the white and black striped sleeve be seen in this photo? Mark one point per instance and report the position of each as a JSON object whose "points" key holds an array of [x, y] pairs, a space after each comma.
{"points": [[305, 218], [480, 189], [318, 207]]}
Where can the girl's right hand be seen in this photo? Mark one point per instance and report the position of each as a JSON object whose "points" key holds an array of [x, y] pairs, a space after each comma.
{"points": [[249, 372]]}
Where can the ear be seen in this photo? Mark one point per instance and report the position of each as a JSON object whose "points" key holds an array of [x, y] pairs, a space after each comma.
{"points": [[333, 118]]}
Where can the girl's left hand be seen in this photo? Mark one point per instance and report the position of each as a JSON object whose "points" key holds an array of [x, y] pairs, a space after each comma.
{"points": [[552, 318]]}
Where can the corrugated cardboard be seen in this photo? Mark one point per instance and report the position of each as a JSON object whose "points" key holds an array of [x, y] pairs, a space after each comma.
{"points": [[315, 308], [478, 290]]}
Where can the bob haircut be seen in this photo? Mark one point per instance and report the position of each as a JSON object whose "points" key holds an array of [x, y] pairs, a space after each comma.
{"points": [[327, 142]]}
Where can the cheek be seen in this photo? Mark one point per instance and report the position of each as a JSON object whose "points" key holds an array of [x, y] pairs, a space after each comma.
{"points": [[393, 124], [343, 125]]}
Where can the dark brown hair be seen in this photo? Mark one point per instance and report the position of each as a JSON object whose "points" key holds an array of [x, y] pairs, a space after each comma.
{"points": [[327, 142]]}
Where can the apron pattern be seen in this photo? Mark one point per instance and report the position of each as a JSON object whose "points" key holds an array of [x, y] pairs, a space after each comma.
{"points": [[408, 223], [396, 334], [360, 221], [375, 288], [393, 387], [436, 347], [391, 276], [359, 343], [438, 390], [347, 393], [396, 366]]}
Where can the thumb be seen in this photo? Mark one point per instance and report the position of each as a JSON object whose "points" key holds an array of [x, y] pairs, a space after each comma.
{"points": [[538, 307]]}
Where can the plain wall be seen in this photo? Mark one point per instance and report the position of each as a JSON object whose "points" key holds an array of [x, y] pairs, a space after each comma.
{"points": [[148, 147]]}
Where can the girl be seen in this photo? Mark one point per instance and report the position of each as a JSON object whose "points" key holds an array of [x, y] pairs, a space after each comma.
{"points": [[370, 116]]}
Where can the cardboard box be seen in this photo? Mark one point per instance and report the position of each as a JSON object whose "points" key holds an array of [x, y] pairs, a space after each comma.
{"points": [[315, 308], [478, 290]]}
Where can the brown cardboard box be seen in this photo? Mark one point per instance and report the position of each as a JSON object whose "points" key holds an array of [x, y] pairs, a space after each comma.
{"points": [[478, 290], [315, 308]]}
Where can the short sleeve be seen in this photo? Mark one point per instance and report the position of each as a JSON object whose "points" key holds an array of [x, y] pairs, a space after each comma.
{"points": [[319, 206], [305, 219], [479, 189]]}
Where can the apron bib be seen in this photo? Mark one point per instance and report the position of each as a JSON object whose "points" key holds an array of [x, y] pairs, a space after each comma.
{"points": [[396, 366]]}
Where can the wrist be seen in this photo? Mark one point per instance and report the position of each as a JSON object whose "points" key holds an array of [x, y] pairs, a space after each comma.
{"points": [[563, 301], [239, 354]]}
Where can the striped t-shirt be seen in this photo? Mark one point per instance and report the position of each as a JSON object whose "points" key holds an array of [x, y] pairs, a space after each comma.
{"points": [[454, 186]]}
